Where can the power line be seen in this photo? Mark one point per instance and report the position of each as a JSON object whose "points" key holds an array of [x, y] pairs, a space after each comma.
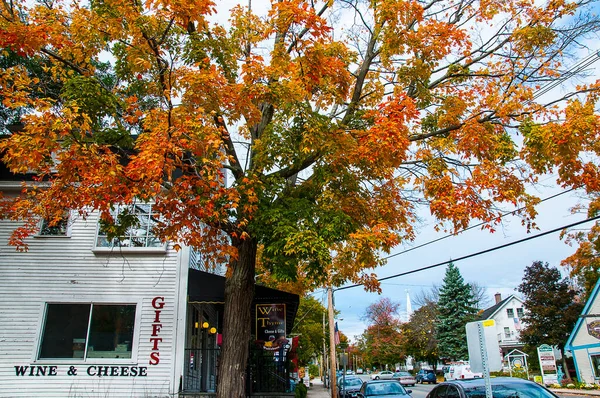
{"points": [[471, 227], [478, 253]]}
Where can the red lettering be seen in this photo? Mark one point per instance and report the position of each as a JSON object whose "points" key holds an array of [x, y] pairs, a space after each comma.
{"points": [[158, 302], [154, 360], [155, 340]]}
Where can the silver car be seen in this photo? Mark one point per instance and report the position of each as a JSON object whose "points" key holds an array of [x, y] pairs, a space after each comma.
{"points": [[384, 374]]}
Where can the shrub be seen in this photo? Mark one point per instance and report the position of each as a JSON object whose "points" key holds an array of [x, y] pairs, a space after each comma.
{"points": [[313, 371], [301, 390]]}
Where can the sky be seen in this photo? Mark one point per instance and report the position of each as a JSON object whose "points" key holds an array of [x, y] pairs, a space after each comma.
{"points": [[499, 271]]}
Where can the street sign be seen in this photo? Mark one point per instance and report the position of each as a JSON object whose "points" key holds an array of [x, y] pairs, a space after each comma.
{"points": [[491, 346]]}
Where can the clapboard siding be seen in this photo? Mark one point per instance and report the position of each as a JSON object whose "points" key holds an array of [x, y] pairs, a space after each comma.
{"points": [[65, 269]]}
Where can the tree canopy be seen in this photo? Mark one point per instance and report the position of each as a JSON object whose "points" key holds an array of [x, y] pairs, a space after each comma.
{"points": [[309, 326], [419, 334], [381, 342], [307, 135], [552, 306]]}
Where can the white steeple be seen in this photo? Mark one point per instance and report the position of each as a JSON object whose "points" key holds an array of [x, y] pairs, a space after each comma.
{"points": [[409, 310]]}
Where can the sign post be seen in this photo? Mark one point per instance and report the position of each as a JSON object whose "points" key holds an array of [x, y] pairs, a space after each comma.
{"points": [[478, 349], [547, 364]]}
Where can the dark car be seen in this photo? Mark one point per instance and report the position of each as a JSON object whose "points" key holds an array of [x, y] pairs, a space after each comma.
{"points": [[502, 387], [426, 376], [378, 388], [349, 387]]}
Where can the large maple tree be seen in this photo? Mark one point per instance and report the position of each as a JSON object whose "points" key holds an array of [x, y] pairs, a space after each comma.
{"points": [[304, 135]]}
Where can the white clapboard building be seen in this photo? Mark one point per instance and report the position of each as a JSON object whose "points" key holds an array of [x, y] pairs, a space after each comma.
{"points": [[81, 316]]}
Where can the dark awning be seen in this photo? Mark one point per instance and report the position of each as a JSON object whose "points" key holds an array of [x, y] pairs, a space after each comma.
{"points": [[207, 288]]}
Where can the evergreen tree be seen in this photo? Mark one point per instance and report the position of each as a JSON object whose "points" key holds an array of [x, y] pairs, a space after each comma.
{"points": [[456, 307]]}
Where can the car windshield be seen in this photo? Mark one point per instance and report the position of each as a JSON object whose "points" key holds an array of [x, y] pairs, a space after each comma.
{"points": [[391, 388], [510, 390], [403, 374], [353, 382]]}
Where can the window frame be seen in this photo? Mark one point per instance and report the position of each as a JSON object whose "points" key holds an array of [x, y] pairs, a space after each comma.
{"points": [[91, 361], [160, 249], [510, 312], [67, 234], [507, 332], [520, 312]]}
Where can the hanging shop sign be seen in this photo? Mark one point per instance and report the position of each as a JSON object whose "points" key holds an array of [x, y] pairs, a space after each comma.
{"points": [[594, 329], [270, 325]]}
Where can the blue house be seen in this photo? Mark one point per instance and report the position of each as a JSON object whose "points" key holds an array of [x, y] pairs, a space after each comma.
{"points": [[584, 341]]}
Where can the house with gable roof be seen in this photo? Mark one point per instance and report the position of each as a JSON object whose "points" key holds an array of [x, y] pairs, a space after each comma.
{"points": [[584, 341], [507, 314]]}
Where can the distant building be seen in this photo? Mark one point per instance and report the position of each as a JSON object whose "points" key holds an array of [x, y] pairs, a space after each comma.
{"points": [[584, 341], [507, 314]]}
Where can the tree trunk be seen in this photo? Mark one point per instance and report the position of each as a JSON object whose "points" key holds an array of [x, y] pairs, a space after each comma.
{"points": [[239, 292]]}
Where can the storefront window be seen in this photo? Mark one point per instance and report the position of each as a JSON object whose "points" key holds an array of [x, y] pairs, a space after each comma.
{"points": [[596, 365], [138, 235], [70, 331]]}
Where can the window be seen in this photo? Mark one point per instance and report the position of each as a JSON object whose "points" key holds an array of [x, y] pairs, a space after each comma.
{"points": [[510, 312], [87, 331], [506, 332], [439, 392], [140, 234], [58, 229], [595, 365], [452, 392], [520, 312]]}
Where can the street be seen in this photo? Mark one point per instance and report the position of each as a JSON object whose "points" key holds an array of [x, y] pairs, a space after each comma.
{"points": [[418, 391], [421, 390]]}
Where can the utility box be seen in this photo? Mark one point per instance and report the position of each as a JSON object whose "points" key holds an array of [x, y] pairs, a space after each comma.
{"points": [[479, 342]]}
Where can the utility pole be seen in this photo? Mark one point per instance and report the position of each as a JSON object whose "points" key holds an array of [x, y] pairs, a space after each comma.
{"points": [[324, 359], [332, 367]]}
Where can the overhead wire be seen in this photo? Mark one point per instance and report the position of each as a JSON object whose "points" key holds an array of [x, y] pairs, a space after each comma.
{"points": [[476, 253], [473, 226]]}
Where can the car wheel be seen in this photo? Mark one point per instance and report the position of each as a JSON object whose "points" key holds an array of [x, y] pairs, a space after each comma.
{"points": [[376, 377]]}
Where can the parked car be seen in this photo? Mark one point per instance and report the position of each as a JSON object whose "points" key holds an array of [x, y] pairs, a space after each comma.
{"points": [[349, 372], [349, 387], [502, 387], [426, 376], [384, 374], [377, 388], [347, 377], [359, 371], [462, 371], [405, 378]]}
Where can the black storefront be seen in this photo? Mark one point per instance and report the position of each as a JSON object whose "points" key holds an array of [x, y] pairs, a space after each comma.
{"points": [[268, 370]]}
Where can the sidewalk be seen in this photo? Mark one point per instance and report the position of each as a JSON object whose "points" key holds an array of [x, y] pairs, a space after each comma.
{"points": [[581, 393], [317, 390]]}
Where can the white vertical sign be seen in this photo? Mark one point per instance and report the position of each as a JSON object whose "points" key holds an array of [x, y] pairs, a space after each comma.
{"points": [[547, 364]]}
